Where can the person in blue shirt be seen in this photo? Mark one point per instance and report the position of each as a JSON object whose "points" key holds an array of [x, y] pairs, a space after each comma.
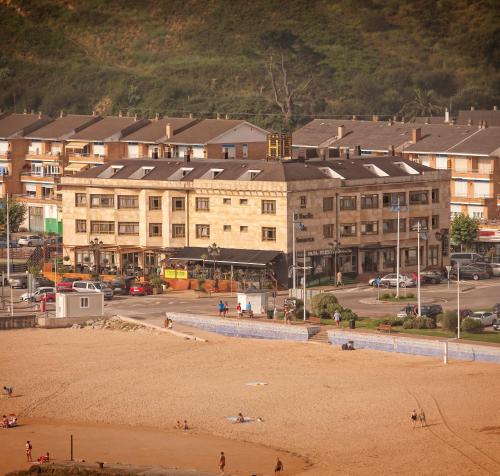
{"points": [[221, 308]]}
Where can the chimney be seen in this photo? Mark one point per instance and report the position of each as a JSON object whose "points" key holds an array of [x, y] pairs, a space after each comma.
{"points": [[357, 150], [61, 113], [187, 156], [472, 108], [157, 116], [340, 132], [391, 151], [495, 108], [324, 153], [446, 116], [416, 135], [168, 130]]}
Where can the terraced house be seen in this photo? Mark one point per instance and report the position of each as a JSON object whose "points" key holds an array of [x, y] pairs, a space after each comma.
{"points": [[146, 210]]}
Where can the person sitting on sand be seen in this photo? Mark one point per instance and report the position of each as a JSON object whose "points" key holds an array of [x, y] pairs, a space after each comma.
{"points": [[44, 458], [8, 391], [178, 425], [185, 427], [240, 419], [5, 422], [12, 421]]}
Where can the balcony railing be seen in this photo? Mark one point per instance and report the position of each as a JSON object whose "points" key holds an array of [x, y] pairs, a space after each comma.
{"points": [[35, 199], [5, 155], [43, 156], [482, 170], [471, 195], [86, 158]]}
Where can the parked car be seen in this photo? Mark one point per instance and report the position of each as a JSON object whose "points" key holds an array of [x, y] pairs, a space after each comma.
{"points": [[391, 280], [66, 283], [3, 242], [42, 281], [496, 327], [408, 311], [140, 289], [431, 310], [431, 277], [465, 313], [30, 240], [93, 287], [485, 267], [54, 240], [121, 286], [465, 258], [469, 272], [487, 318], [38, 294], [20, 282]]}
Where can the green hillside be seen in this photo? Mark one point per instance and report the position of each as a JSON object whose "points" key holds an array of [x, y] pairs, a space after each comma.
{"points": [[180, 56]]}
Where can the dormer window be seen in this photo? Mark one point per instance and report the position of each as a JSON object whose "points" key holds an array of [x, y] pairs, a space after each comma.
{"points": [[375, 170], [110, 171], [250, 174], [212, 174], [146, 170], [184, 171], [404, 166], [331, 173]]}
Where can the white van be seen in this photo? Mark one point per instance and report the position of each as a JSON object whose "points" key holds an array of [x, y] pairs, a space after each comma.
{"points": [[93, 287], [465, 258]]}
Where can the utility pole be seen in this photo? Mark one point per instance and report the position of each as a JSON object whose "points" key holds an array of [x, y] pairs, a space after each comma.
{"points": [[397, 255], [8, 240], [304, 284], [419, 307], [458, 300], [294, 263]]}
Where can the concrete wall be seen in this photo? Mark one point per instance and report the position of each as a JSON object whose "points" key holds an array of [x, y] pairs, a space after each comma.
{"points": [[17, 321], [408, 345], [243, 328]]}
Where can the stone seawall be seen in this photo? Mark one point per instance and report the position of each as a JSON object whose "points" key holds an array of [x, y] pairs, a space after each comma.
{"points": [[408, 345], [17, 321], [243, 328]]}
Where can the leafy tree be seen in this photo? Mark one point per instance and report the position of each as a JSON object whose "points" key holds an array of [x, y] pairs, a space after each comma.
{"points": [[463, 230], [17, 214], [423, 104]]}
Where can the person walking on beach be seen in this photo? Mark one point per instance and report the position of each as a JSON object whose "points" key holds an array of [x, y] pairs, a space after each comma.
{"points": [[222, 462], [226, 309], [279, 466], [339, 279], [421, 417], [337, 316], [28, 448], [413, 418], [221, 309], [239, 310]]}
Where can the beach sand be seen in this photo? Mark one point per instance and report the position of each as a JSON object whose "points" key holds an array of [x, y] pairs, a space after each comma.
{"points": [[330, 412]]}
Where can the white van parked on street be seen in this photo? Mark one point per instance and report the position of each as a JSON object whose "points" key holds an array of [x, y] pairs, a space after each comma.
{"points": [[93, 287]]}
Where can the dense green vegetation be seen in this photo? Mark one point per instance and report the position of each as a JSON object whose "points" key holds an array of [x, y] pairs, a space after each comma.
{"points": [[180, 56]]}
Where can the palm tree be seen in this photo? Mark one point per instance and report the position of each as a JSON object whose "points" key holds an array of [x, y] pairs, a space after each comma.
{"points": [[423, 104]]}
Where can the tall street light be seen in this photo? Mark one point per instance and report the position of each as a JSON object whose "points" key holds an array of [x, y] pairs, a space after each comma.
{"points": [[213, 251], [95, 246]]}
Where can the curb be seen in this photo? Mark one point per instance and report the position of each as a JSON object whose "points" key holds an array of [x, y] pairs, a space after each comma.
{"points": [[160, 329]]}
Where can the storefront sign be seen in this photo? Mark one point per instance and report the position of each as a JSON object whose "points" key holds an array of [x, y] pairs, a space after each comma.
{"points": [[329, 252], [176, 274], [305, 240]]}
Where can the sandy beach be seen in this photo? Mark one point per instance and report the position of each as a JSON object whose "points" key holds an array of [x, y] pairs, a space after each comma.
{"points": [[324, 411]]}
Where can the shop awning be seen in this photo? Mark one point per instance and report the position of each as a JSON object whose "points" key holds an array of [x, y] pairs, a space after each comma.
{"points": [[227, 256], [75, 167], [76, 145]]}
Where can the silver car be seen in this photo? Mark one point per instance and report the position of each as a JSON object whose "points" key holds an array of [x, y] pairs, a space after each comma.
{"points": [[485, 317], [390, 280]]}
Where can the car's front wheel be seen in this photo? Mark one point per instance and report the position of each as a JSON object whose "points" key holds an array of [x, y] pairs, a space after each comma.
{"points": [[403, 284], [475, 277]]}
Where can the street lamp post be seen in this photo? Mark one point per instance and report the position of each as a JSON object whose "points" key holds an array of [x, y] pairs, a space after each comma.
{"points": [[213, 251], [95, 246]]}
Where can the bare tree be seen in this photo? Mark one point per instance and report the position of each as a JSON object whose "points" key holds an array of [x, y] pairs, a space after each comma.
{"points": [[284, 91]]}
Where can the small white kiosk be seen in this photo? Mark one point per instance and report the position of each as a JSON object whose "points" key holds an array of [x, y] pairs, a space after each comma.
{"points": [[258, 299]]}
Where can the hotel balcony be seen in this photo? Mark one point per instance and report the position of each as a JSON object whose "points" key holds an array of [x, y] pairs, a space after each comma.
{"points": [[483, 172], [47, 157], [32, 198], [86, 158], [40, 177]]}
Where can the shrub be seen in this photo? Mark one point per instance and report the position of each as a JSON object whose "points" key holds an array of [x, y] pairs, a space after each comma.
{"points": [[348, 314], [429, 323], [471, 325], [410, 295], [386, 296], [449, 320], [299, 313], [324, 305], [408, 324], [396, 321], [419, 323]]}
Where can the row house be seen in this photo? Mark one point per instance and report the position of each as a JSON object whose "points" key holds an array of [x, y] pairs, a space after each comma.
{"points": [[14, 147], [472, 154], [145, 211]]}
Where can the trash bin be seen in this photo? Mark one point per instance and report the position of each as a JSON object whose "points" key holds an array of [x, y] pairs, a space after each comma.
{"points": [[270, 313], [352, 324]]}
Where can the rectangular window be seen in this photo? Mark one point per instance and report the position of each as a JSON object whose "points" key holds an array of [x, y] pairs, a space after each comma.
{"points": [[128, 228], [303, 201], [243, 229], [155, 229], [178, 204], [81, 226], [327, 204], [102, 201], [155, 203], [178, 230], [391, 199], [348, 203], [202, 231], [226, 201], [269, 207], [369, 227], [433, 255], [389, 257], [420, 197], [243, 201], [391, 226], [84, 302], [80, 200], [268, 234], [227, 228], [435, 222], [348, 229], [328, 230], [202, 204], [102, 227], [415, 221], [369, 201], [435, 195], [411, 256], [128, 201]]}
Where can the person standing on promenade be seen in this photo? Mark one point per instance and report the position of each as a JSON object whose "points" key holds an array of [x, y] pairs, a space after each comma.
{"points": [[28, 448], [221, 308], [279, 466], [421, 417], [339, 279], [222, 462], [413, 418], [337, 316], [226, 309], [239, 310]]}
